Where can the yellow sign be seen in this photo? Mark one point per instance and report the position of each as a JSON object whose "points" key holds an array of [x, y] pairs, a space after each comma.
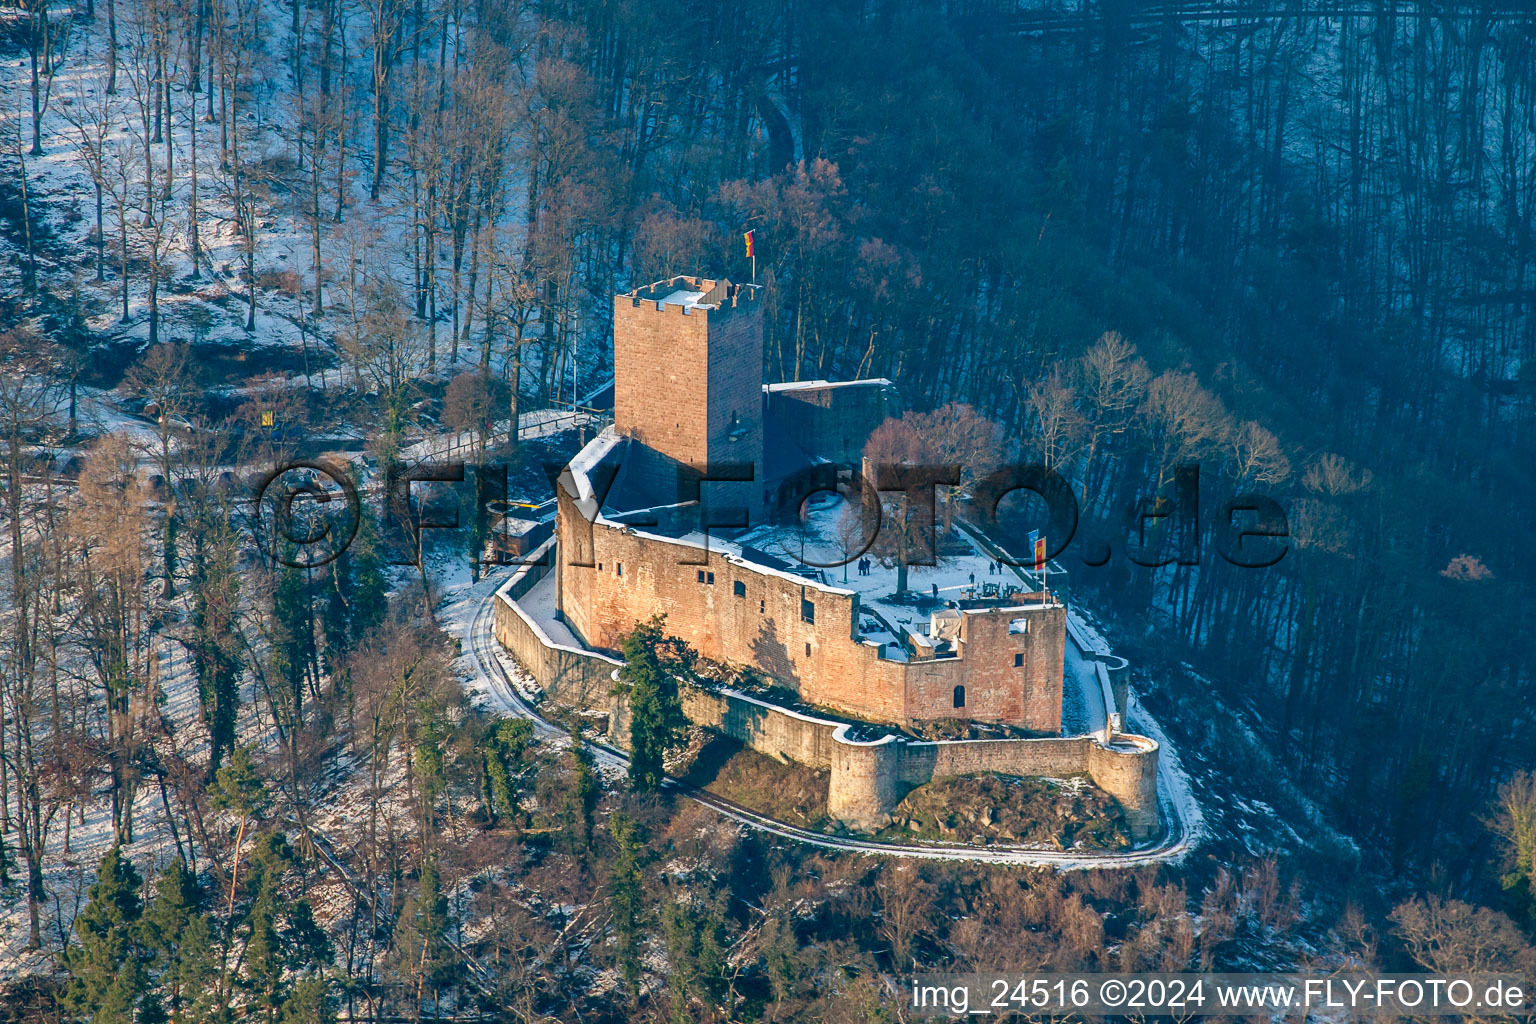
{"points": [[268, 418]]}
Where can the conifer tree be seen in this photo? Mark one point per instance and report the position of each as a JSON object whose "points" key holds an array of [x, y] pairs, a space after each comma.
{"points": [[179, 939], [284, 945], [696, 949], [238, 787], [264, 960], [780, 951], [215, 603], [506, 743], [332, 601], [293, 649], [580, 799], [107, 981], [428, 772], [308, 1003], [369, 594], [423, 937], [354, 594], [654, 663], [627, 899], [309, 946]]}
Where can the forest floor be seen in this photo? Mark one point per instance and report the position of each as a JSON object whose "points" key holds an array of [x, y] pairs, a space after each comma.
{"points": [[206, 303]]}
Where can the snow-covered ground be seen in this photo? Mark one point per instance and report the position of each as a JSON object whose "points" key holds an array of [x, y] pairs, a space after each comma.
{"points": [[69, 870], [539, 603], [206, 303]]}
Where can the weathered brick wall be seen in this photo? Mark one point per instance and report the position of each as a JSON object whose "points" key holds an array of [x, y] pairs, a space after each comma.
{"points": [[1028, 694], [688, 383], [578, 678], [634, 577], [997, 689], [1126, 769], [867, 780], [576, 548], [660, 389], [865, 783], [1055, 756], [781, 734]]}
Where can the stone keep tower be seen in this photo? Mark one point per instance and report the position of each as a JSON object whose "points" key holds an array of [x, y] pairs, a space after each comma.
{"points": [[688, 377]]}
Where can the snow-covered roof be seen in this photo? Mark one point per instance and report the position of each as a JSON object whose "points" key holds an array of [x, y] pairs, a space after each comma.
{"points": [[574, 478], [809, 385], [684, 297], [578, 484], [989, 607]]}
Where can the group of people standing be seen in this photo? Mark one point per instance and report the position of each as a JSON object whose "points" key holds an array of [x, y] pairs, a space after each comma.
{"points": [[866, 564]]}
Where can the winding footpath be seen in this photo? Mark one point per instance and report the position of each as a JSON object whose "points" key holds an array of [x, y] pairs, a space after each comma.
{"points": [[1177, 839]]}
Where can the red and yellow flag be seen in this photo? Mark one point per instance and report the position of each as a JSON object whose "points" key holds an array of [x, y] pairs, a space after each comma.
{"points": [[1039, 552], [749, 239]]}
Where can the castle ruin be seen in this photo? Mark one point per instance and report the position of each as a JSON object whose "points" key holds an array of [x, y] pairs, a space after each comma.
{"points": [[651, 518]]}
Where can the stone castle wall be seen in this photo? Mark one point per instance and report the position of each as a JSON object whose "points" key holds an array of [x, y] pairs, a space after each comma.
{"points": [[1126, 769], [778, 732], [832, 420], [569, 675], [866, 779], [743, 617], [741, 614]]}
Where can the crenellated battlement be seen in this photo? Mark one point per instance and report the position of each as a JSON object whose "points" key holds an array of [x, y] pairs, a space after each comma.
{"points": [[683, 295], [688, 372]]}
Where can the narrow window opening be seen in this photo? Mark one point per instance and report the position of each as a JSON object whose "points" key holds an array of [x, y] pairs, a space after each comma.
{"points": [[959, 696], [739, 588], [807, 611], [1018, 660], [807, 650], [618, 568]]}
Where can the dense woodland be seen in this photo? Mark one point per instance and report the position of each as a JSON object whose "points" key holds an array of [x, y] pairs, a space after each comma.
{"points": [[1297, 249]]}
